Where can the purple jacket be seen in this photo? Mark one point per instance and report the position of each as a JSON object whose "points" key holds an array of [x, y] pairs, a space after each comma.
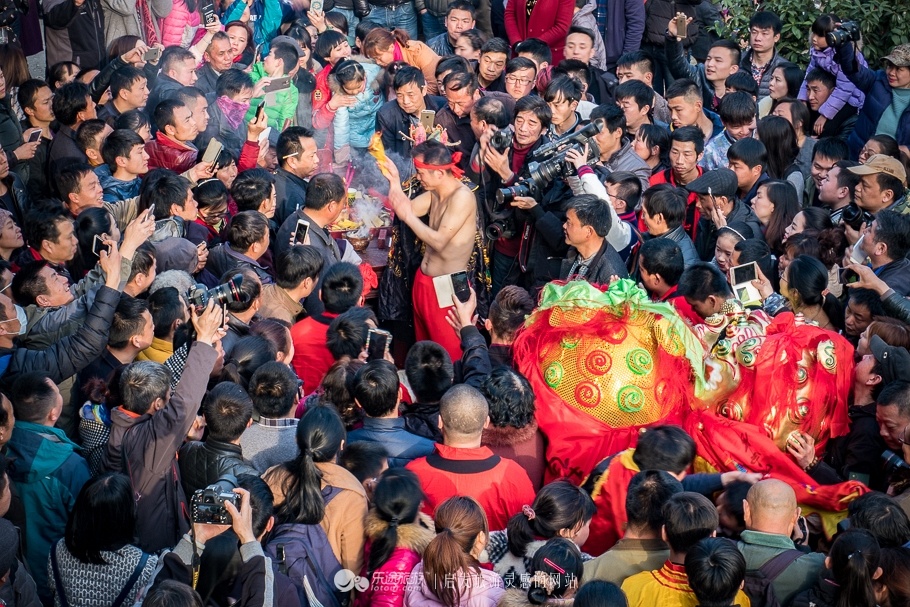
{"points": [[845, 92]]}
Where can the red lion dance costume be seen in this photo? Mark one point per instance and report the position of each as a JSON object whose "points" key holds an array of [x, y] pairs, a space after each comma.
{"points": [[606, 365]]}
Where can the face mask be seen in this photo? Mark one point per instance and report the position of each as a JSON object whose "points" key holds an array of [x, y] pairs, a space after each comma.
{"points": [[23, 320]]}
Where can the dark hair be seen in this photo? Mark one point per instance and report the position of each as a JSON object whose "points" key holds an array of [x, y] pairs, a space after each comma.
{"points": [[537, 48], [598, 593], [251, 187], [28, 92], [376, 388], [323, 189], [166, 306], [510, 396], [868, 299], [363, 28], [799, 114], [119, 144], [638, 91], [43, 223], [662, 256], [408, 74], [701, 280], [103, 518], [688, 518], [396, 501], [612, 116], [458, 80], [558, 505], [69, 100], [228, 410], [888, 143], [685, 88], [161, 189], [28, 284], [783, 196], [88, 132], [125, 78], [832, 148], [893, 229], [766, 20], [33, 396], [247, 355], [429, 370], [246, 229], [656, 136], [629, 188], [742, 80], [749, 151], [289, 143], [451, 63], [648, 491], [128, 321], [855, 556], [757, 250], [341, 287], [276, 332], [667, 448], [779, 138], [535, 105], [730, 45], [895, 563], [230, 83], [348, 332], [133, 120], [519, 63], [364, 459], [641, 58], [171, 593], [737, 109], [828, 79], [809, 277], [327, 42], [273, 389], [319, 437], [495, 45], [691, 134], [492, 111], [296, 264], [591, 211], [564, 87], [716, 570], [889, 182], [664, 199], [59, 72], [287, 54], [163, 114], [210, 193], [561, 563]]}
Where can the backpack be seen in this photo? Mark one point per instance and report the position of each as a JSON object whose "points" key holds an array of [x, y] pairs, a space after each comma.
{"points": [[759, 582], [304, 554]]}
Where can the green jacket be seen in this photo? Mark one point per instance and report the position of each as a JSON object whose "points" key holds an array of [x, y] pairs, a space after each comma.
{"points": [[48, 474], [279, 106], [758, 548]]}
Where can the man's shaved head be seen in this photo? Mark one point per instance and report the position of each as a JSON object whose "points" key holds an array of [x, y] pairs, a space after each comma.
{"points": [[770, 506], [463, 411]]}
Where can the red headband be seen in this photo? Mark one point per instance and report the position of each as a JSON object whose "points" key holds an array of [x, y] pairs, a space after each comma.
{"points": [[452, 166]]}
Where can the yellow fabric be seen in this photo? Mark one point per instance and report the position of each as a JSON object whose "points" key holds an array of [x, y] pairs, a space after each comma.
{"points": [[158, 352], [665, 587]]}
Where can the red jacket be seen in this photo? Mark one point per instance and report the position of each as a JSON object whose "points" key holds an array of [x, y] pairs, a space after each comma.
{"points": [[549, 21], [312, 358], [690, 223], [500, 485], [165, 153]]}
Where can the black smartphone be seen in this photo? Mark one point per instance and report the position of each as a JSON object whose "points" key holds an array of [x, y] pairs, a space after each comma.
{"points": [[460, 286], [98, 246], [208, 12], [34, 136], [259, 109], [303, 228], [846, 276], [378, 343]]}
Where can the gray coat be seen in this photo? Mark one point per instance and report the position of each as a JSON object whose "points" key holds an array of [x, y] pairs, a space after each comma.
{"points": [[586, 18], [122, 19]]}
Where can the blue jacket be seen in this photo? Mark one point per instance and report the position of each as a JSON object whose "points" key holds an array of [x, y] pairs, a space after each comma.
{"points": [[354, 126], [115, 189], [622, 25], [48, 474], [874, 83], [401, 445]]}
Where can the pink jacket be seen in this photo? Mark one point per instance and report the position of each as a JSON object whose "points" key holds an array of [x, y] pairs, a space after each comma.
{"points": [[388, 583], [485, 590], [175, 23]]}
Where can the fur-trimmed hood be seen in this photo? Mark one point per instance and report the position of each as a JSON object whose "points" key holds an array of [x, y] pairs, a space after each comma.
{"points": [[509, 435], [413, 536], [519, 598]]}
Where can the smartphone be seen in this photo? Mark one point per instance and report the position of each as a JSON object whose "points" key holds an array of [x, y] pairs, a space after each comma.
{"points": [[257, 54], [278, 84], [427, 118], [212, 151], [682, 26], [745, 273], [259, 109], [208, 12], [303, 229], [316, 6], [98, 246], [152, 55], [34, 136], [461, 287], [378, 343], [846, 276]]}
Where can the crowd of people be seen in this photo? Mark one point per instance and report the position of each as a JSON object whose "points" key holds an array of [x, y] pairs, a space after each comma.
{"points": [[211, 395]]}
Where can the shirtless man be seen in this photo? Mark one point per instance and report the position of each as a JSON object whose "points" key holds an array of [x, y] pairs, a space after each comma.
{"points": [[449, 237]]}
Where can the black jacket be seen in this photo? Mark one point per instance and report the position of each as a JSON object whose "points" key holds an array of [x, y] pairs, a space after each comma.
{"points": [[203, 463], [71, 354], [658, 14], [165, 88], [290, 195], [321, 240], [606, 263], [679, 236], [896, 275], [706, 236], [75, 33], [394, 123], [222, 260], [859, 451], [206, 82], [63, 152], [459, 129], [33, 171], [19, 198]]}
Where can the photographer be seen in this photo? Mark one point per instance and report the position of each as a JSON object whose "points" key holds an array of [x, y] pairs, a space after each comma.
{"points": [[880, 113], [531, 121], [488, 117]]}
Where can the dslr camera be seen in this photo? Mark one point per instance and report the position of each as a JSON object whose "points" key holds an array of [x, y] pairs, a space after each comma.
{"points": [[208, 504], [549, 162], [856, 217], [847, 32], [501, 140], [199, 296]]}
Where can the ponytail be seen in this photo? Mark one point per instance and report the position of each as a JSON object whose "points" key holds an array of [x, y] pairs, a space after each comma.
{"points": [[396, 498], [855, 557], [459, 520], [557, 506]]}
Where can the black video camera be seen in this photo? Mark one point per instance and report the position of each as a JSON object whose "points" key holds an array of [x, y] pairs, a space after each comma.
{"points": [[856, 217], [847, 32], [208, 504], [199, 296]]}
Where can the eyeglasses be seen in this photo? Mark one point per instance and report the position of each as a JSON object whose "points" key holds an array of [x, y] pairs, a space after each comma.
{"points": [[517, 80]]}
